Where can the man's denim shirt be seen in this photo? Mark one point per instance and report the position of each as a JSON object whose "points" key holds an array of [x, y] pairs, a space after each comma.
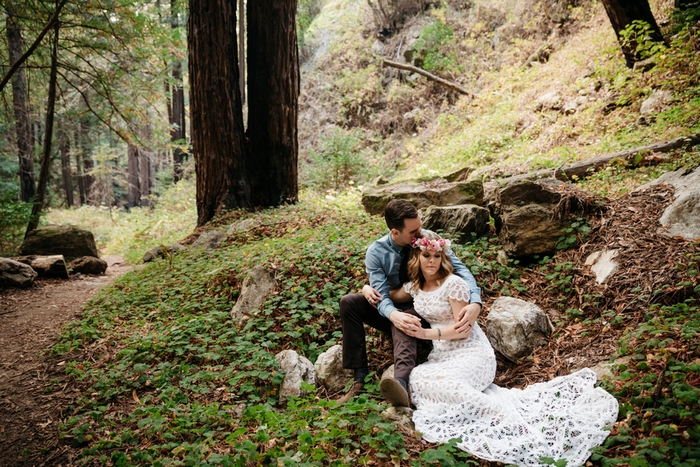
{"points": [[382, 263]]}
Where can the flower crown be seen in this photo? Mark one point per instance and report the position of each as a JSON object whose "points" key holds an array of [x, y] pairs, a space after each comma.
{"points": [[431, 245]]}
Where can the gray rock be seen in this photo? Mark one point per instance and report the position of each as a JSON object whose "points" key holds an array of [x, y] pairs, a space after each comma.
{"points": [[400, 416], [88, 265], [457, 222], [423, 195], [241, 226], [604, 370], [70, 241], [16, 274], [682, 217], [548, 101], [297, 369], [516, 327], [655, 103], [161, 251], [209, 240], [603, 264], [256, 286], [330, 372]]}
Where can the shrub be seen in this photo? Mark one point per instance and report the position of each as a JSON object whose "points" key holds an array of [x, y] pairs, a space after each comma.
{"points": [[14, 217], [337, 162]]}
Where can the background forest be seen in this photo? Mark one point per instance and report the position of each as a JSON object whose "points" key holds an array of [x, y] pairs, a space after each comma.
{"points": [[154, 372]]}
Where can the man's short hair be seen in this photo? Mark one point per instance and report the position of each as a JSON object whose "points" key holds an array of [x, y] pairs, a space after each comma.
{"points": [[397, 211]]}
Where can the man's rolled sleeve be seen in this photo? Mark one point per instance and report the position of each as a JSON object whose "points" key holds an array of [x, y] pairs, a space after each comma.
{"points": [[378, 281], [461, 270]]}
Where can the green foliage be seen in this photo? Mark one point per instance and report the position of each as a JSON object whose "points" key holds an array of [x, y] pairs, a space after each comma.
{"points": [[133, 232], [307, 10], [660, 391], [337, 162], [574, 235], [14, 217], [433, 46], [686, 17], [637, 37]]}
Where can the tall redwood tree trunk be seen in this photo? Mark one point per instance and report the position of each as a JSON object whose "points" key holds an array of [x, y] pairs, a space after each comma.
{"points": [[216, 117], [273, 92], [622, 13], [20, 102], [134, 193]]}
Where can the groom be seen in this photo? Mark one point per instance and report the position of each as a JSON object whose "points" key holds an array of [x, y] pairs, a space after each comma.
{"points": [[385, 263]]}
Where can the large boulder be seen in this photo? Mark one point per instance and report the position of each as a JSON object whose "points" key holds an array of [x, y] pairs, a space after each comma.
{"points": [[46, 266], [297, 369], [88, 265], [682, 217], [16, 274], [516, 327], [423, 194], [70, 241], [457, 222], [330, 372], [531, 216], [256, 286]]}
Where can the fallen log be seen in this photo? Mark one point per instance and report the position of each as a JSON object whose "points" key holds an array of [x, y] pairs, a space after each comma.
{"points": [[430, 76], [46, 266], [582, 169]]}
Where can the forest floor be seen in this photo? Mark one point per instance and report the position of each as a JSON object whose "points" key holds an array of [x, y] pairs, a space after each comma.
{"points": [[34, 389]]}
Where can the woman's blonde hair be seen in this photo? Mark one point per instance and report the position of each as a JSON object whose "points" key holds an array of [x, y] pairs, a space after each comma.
{"points": [[414, 272]]}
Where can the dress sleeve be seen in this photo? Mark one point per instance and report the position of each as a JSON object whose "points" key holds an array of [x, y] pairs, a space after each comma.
{"points": [[407, 288], [457, 289]]}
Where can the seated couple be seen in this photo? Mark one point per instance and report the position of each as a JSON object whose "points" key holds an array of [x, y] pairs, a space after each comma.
{"points": [[420, 290]]}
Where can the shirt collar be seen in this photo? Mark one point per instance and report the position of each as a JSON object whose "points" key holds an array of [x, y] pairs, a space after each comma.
{"points": [[393, 244]]}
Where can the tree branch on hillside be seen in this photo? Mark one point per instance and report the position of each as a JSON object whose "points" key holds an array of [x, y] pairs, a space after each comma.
{"points": [[583, 169], [430, 76]]}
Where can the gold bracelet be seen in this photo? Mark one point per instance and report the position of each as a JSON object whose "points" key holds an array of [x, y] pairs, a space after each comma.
{"points": [[439, 333]]}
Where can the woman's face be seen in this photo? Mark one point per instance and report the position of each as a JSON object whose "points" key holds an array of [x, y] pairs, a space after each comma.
{"points": [[430, 262]]}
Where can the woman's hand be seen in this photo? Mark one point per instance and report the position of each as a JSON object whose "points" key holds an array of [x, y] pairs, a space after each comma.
{"points": [[371, 295], [467, 317]]}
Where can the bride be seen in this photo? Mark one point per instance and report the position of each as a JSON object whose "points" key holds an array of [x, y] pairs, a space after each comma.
{"points": [[454, 392]]}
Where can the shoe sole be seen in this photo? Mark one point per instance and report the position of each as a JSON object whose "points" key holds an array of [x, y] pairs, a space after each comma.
{"points": [[394, 393]]}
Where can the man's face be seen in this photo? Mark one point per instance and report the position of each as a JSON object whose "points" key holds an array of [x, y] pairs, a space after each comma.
{"points": [[411, 229]]}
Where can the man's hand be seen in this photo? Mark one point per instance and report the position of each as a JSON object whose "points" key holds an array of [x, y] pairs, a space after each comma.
{"points": [[371, 295], [409, 324], [468, 316]]}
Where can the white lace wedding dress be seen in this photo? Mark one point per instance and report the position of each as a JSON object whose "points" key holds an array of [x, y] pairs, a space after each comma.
{"points": [[455, 398]]}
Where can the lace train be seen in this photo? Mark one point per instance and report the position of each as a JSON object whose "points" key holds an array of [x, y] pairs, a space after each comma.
{"points": [[455, 398]]}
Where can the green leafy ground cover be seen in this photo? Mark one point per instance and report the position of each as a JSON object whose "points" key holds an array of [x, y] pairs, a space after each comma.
{"points": [[166, 379]]}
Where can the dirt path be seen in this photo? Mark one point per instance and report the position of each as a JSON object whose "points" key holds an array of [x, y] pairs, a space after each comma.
{"points": [[34, 392]]}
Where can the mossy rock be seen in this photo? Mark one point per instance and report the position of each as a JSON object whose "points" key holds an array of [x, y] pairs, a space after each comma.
{"points": [[68, 240], [423, 195]]}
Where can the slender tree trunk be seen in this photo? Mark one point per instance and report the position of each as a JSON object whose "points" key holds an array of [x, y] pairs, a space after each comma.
{"points": [[241, 48], [48, 133], [215, 113], [134, 194], [273, 92], [622, 13], [145, 157], [64, 149], [20, 101], [82, 196], [177, 122]]}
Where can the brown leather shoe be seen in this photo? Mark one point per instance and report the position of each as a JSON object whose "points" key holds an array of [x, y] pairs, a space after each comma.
{"points": [[356, 389], [394, 393]]}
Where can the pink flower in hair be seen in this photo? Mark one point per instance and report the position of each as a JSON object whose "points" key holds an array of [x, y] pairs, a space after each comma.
{"points": [[426, 244]]}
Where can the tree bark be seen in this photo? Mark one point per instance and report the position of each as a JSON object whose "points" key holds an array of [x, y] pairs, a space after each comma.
{"points": [[134, 193], [20, 101], [621, 14], [273, 92], [48, 133], [82, 198], [177, 122], [64, 149], [215, 114], [241, 48], [145, 157]]}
